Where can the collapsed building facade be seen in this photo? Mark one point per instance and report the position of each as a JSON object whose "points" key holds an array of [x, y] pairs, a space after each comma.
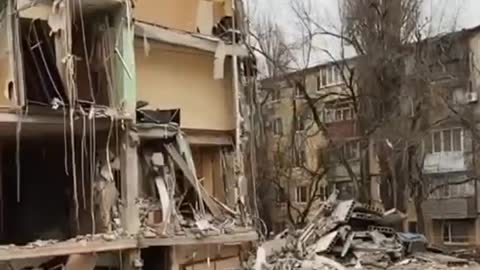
{"points": [[121, 135]]}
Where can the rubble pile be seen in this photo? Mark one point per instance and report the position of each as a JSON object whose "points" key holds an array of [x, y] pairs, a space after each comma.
{"points": [[350, 235]]}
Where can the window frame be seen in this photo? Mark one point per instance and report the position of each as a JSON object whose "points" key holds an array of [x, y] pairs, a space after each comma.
{"points": [[348, 144], [300, 123], [300, 158], [432, 148], [276, 95], [330, 115], [449, 240], [298, 194], [329, 76], [277, 126]]}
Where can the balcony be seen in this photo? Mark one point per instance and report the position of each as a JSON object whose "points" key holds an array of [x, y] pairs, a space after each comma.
{"points": [[453, 208], [343, 129], [443, 162]]}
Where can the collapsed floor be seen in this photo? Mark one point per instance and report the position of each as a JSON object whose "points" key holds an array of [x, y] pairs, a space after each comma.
{"points": [[350, 235]]}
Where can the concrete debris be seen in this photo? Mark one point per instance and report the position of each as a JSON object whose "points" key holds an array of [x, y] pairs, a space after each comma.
{"points": [[186, 209], [350, 235]]}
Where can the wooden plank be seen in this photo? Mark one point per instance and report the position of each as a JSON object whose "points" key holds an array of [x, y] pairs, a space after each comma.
{"points": [[8, 253], [207, 168], [182, 165], [219, 184]]}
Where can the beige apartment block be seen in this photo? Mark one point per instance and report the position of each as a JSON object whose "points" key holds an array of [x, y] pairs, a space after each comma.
{"points": [[451, 211], [120, 135]]}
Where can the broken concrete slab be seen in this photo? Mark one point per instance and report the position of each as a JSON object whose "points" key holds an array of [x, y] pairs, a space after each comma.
{"points": [[361, 242], [343, 211]]}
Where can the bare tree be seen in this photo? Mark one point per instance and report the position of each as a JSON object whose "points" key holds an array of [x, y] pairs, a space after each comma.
{"points": [[389, 85]]}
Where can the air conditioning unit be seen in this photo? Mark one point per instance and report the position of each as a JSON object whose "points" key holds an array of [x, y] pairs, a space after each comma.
{"points": [[472, 97]]}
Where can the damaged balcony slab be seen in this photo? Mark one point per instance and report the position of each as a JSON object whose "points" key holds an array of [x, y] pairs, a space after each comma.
{"points": [[226, 239], [186, 39], [175, 37], [84, 245], [44, 124], [73, 246]]}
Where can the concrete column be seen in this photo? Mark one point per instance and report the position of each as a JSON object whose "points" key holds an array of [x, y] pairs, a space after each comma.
{"points": [[129, 181]]}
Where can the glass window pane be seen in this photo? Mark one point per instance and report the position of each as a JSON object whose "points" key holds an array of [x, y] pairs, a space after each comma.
{"points": [[338, 115], [446, 232], [457, 140], [437, 142], [447, 141], [428, 144], [328, 116], [324, 77], [459, 231]]}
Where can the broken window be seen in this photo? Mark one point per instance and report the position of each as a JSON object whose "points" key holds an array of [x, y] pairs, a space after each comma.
{"points": [[87, 67], [44, 200], [43, 81], [302, 194], [457, 231], [7, 72]]}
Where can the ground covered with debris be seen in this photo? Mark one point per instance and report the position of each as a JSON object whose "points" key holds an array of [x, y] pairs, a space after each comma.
{"points": [[350, 235]]}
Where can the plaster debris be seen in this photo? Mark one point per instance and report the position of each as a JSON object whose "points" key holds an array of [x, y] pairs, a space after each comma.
{"points": [[350, 235]]}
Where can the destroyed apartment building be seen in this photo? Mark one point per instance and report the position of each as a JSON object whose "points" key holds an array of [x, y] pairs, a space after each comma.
{"points": [[121, 135]]}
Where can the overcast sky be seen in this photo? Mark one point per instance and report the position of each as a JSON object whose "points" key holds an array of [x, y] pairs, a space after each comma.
{"points": [[443, 13], [468, 10]]}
